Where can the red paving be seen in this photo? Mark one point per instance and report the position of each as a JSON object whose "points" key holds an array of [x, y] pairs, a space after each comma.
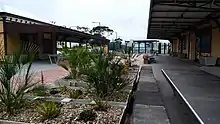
{"points": [[51, 75]]}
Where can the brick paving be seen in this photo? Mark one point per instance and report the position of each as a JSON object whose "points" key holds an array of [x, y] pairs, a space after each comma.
{"points": [[51, 75]]}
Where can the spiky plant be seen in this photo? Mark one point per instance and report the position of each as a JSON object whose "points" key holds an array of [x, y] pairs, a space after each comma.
{"points": [[105, 76], [87, 115], [78, 59], [48, 110], [75, 94], [15, 78]]}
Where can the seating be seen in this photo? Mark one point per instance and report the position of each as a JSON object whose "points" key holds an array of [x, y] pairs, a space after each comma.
{"points": [[56, 57]]}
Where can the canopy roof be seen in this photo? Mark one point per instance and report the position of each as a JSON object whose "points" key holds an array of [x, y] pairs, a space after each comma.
{"points": [[169, 18], [69, 34]]}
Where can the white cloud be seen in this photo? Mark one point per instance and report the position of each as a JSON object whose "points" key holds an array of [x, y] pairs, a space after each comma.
{"points": [[127, 17]]}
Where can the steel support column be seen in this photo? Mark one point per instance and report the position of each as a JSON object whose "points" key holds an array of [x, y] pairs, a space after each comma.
{"points": [[145, 49], [164, 48], [152, 46], [188, 45], [70, 44], [159, 48], [5, 35], [132, 46], [138, 47]]}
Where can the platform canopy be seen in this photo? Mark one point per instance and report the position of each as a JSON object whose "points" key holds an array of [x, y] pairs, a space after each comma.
{"points": [[28, 25], [145, 41], [169, 18]]}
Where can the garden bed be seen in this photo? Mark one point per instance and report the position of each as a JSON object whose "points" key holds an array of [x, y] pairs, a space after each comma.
{"points": [[68, 114], [101, 94], [59, 94]]}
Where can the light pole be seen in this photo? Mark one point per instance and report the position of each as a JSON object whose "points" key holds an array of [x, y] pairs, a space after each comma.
{"points": [[126, 46], [73, 27], [98, 23], [99, 26], [116, 35]]}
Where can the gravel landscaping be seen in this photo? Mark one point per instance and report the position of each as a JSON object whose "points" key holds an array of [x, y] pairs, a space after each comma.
{"points": [[68, 114]]}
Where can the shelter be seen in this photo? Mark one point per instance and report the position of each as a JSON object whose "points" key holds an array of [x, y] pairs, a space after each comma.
{"points": [[145, 42], [192, 26], [14, 29]]}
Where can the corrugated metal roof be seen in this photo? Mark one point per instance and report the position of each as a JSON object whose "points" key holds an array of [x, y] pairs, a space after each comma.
{"points": [[169, 18]]}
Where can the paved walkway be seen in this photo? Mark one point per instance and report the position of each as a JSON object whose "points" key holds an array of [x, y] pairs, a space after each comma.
{"points": [[51, 72], [200, 89], [177, 113], [214, 70], [148, 105]]}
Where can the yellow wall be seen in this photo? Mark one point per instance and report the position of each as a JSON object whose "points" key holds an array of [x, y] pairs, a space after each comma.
{"points": [[187, 43], [175, 45], [13, 43], [2, 51], [192, 45], [215, 43]]}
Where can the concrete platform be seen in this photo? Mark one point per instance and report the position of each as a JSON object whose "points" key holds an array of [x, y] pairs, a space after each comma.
{"points": [[213, 70], [146, 114], [201, 90], [148, 105]]}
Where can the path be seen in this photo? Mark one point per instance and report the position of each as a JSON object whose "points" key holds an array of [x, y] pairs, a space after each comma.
{"points": [[176, 112], [148, 105], [51, 72], [201, 90]]}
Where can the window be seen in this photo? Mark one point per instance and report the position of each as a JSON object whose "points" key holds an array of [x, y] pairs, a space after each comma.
{"points": [[47, 36], [205, 37]]}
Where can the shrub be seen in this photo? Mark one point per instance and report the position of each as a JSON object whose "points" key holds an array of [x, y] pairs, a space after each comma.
{"points": [[48, 109], [75, 94], [54, 91], [63, 89], [78, 58], [16, 78], [87, 115], [105, 76], [40, 90], [100, 105]]}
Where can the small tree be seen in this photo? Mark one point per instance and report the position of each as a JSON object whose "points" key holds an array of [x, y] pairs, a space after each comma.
{"points": [[82, 29], [102, 30]]}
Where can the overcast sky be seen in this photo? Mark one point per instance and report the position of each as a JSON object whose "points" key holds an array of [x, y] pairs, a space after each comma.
{"points": [[127, 17]]}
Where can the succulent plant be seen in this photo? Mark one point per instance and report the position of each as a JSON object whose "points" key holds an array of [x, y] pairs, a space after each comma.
{"points": [[54, 91], [87, 115], [40, 90], [75, 94], [48, 109]]}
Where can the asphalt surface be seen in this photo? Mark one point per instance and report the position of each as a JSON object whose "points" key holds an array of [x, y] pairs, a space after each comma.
{"points": [[201, 90], [177, 112]]}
